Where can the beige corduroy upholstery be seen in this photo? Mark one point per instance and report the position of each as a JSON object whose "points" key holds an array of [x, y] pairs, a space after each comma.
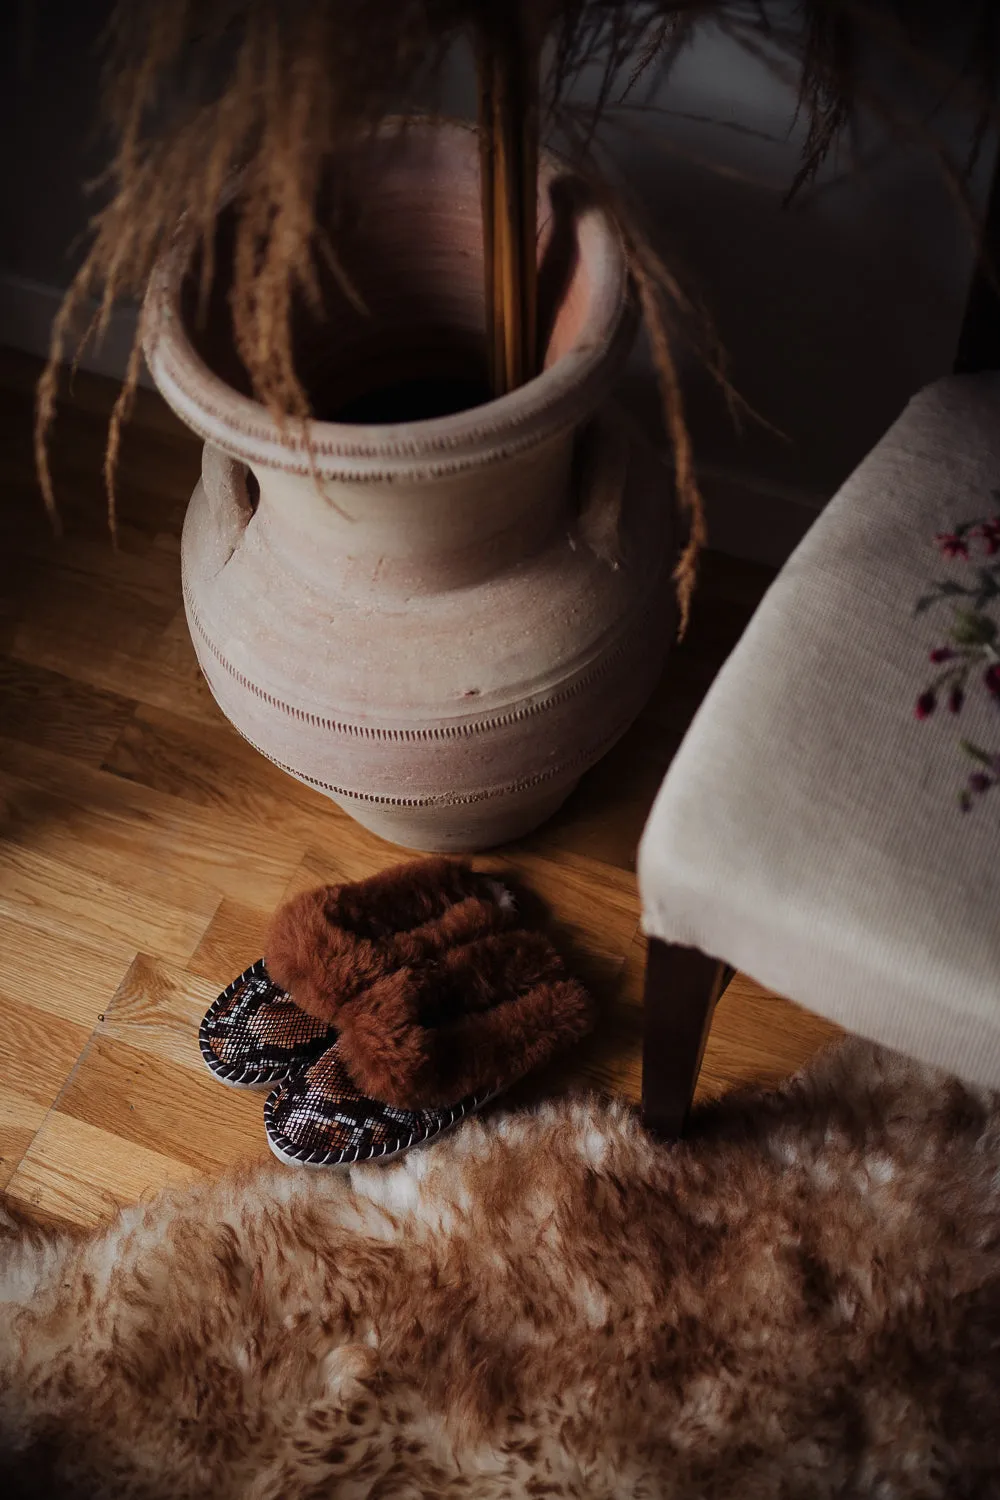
{"points": [[817, 828]]}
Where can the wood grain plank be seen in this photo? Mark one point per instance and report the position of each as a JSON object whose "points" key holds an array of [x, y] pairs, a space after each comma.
{"points": [[122, 832], [156, 473], [351, 854], [21, 1117], [18, 581], [604, 817], [99, 635], [607, 1062], [82, 501], [154, 1016], [84, 546], [62, 977], [164, 1107], [42, 707], [758, 1038], [157, 1009], [76, 1173], [67, 902], [233, 940], [93, 396], [213, 767], [142, 578], [172, 678], [38, 1054]]}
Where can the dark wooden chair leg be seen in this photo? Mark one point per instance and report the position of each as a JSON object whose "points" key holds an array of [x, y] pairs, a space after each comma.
{"points": [[682, 987]]}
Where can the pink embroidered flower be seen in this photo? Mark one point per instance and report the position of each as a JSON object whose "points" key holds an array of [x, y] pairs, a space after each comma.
{"points": [[982, 780], [973, 650], [952, 544], [978, 784], [989, 532]]}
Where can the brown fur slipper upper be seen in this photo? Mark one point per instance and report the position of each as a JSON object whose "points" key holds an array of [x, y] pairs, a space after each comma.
{"points": [[326, 945], [472, 1022]]}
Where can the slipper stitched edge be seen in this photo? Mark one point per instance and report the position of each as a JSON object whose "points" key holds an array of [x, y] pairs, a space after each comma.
{"points": [[247, 1075], [301, 1156]]}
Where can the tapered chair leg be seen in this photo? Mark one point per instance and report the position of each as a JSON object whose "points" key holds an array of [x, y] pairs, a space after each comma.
{"points": [[682, 987]]}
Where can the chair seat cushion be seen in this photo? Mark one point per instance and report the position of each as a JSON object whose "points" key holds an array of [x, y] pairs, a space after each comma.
{"points": [[831, 823]]}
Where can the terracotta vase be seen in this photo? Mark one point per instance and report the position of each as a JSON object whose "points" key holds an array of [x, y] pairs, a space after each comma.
{"points": [[440, 623]]}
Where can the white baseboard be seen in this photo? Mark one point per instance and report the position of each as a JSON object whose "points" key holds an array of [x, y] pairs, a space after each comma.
{"points": [[27, 311]]}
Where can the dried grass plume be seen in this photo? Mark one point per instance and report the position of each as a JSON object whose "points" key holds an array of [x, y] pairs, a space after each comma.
{"points": [[200, 94]]}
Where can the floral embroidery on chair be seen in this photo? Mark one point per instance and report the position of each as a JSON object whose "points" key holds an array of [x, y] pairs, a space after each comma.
{"points": [[971, 652]]}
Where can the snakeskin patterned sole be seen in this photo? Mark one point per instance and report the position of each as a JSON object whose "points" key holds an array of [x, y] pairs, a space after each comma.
{"points": [[320, 1119], [254, 1035]]}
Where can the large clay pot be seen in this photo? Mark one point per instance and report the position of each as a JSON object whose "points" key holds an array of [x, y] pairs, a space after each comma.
{"points": [[443, 623]]}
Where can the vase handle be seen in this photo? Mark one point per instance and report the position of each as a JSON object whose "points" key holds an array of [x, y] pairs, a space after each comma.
{"points": [[603, 458], [226, 483]]}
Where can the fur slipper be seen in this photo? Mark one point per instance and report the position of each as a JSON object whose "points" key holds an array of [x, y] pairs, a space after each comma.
{"points": [[254, 1035], [472, 1022], [327, 945], [320, 1119]]}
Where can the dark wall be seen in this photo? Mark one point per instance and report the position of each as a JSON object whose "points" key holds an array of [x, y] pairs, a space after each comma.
{"points": [[833, 311], [48, 131]]}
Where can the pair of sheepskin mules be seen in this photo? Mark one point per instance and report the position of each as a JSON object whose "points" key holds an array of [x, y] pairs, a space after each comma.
{"points": [[386, 1010]]}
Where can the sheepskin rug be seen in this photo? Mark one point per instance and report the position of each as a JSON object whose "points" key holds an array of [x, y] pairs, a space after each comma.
{"points": [[802, 1300]]}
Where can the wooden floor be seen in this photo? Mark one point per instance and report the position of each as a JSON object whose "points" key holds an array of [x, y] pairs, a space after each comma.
{"points": [[143, 844]]}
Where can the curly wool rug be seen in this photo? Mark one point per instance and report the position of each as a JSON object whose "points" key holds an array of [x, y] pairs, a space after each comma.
{"points": [[801, 1301]]}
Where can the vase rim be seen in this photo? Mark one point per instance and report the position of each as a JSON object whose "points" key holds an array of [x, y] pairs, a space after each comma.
{"points": [[552, 402]]}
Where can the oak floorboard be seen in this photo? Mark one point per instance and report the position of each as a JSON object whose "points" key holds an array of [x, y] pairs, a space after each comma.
{"points": [[759, 1037], [211, 767], [174, 1109], [122, 832], [69, 978], [157, 1010], [76, 1173], [42, 707], [70, 902], [38, 1057], [232, 941], [21, 1118]]}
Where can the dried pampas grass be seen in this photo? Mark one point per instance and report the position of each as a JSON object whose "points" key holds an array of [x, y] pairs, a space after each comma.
{"points": [[204, 94]]}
